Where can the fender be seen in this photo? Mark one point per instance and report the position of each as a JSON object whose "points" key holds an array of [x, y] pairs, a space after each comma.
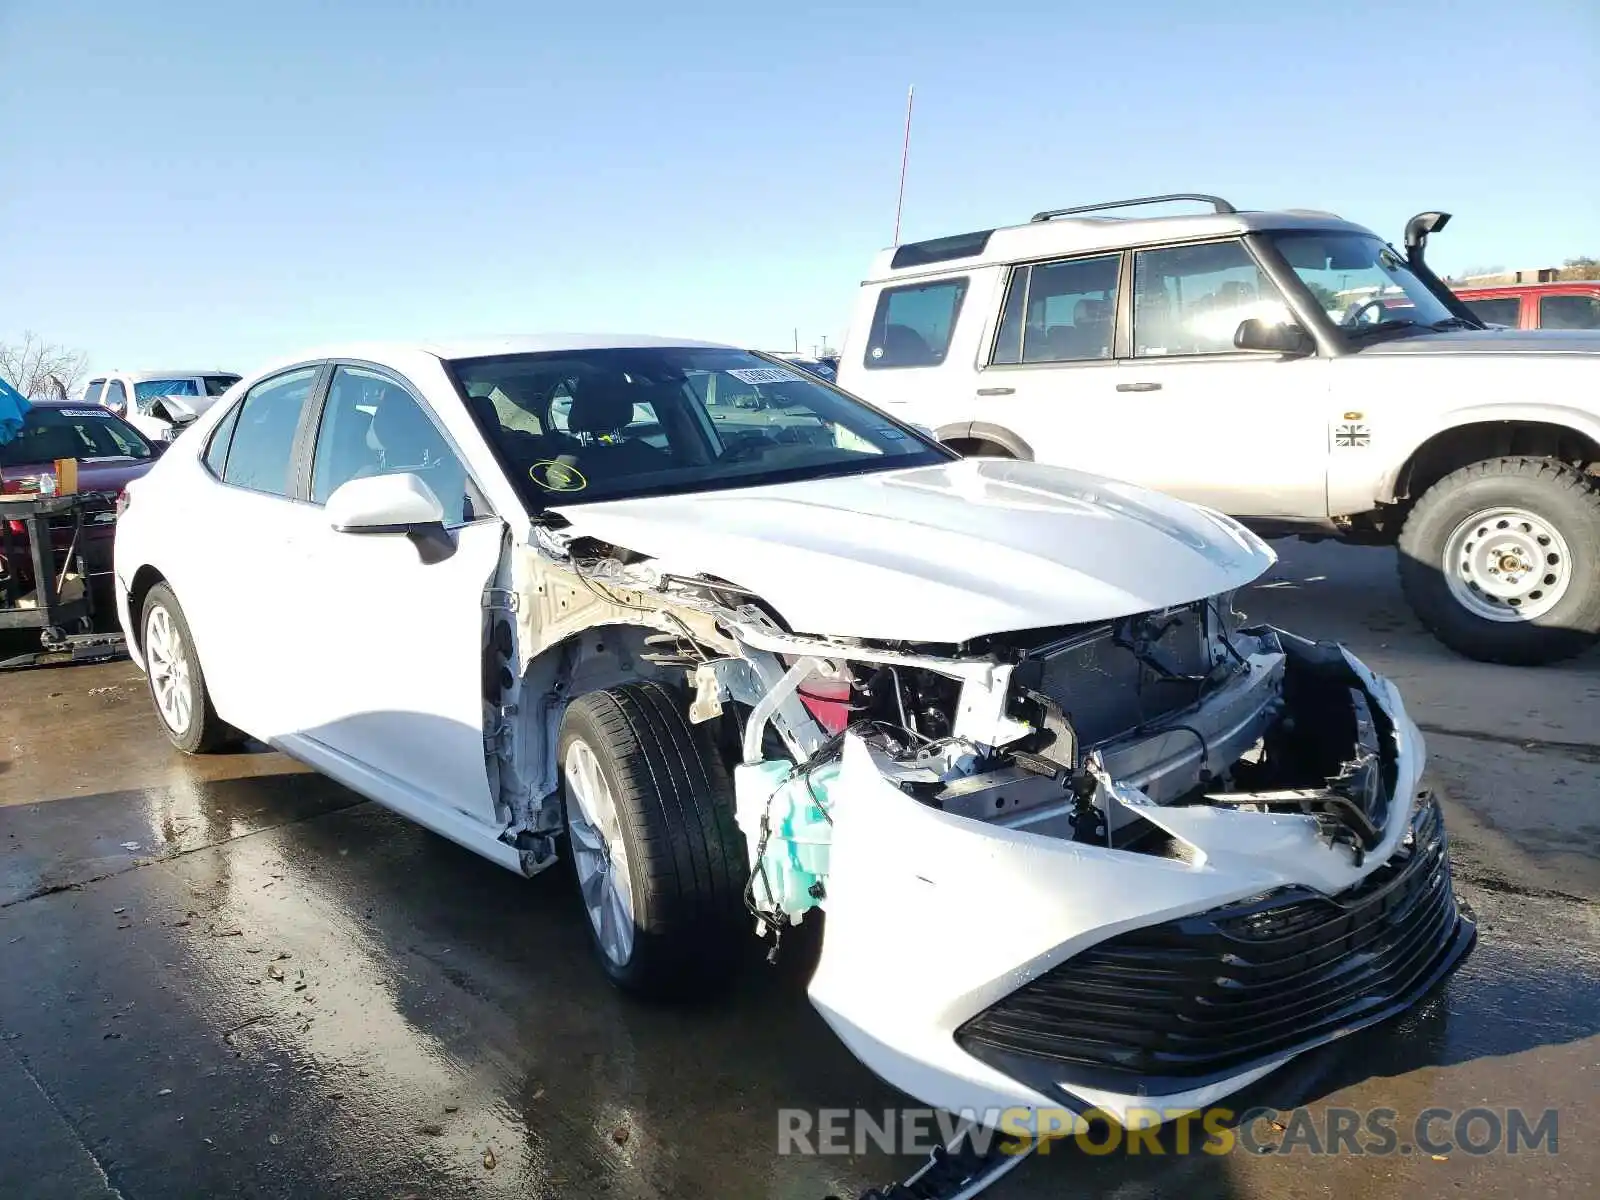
{"points": [[1581, 421], [998, 434]]}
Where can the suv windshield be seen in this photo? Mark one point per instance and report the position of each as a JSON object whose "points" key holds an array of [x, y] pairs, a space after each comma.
{"points": [[576, 426], [49, 433], [1362, 284]]}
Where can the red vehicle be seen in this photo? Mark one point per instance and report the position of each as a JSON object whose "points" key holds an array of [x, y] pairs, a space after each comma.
{"points": [[1571, 304], [110, 453]]}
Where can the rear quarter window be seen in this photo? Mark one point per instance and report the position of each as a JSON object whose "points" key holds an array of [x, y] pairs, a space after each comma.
{"points": [[1569, 312], [912, 325]]}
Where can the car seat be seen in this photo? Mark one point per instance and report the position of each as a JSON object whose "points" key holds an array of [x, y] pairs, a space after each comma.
{"points": [[602, 406]]}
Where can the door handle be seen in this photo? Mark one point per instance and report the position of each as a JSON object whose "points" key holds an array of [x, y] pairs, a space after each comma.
{"points": [[997, 391], [1138, 387]]}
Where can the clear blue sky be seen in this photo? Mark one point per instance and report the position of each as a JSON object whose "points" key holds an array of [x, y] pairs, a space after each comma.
{"points": [[217, 183]]}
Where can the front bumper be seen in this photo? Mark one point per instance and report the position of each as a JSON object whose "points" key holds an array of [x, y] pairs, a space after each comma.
{"points": [[986, 969], [1195, 1001]]}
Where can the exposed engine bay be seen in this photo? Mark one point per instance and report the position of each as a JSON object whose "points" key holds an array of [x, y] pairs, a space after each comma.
{"points": [[1071, 733]]}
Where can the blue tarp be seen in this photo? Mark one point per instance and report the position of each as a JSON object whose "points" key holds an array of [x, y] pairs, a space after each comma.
{"points": [[13, 406]]}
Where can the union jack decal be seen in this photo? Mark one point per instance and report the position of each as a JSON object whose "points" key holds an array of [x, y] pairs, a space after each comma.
{"points": [[1351, 435]]}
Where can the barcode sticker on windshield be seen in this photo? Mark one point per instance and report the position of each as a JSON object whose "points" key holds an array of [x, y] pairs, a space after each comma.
{"points": [[84, 412], [754, 375]]}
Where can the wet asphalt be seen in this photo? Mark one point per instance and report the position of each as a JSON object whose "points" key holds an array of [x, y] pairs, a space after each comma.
{"points": [[231, 977]]}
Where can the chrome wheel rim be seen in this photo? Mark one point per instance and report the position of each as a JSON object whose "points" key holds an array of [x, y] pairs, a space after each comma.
{"points": [[171, 680], [1507, 565], [599, 853]]}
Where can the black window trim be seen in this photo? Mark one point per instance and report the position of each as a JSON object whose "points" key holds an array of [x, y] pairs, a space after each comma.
{"points": [[964, 280], [296, 447], [307, 463], [1124, 266]]}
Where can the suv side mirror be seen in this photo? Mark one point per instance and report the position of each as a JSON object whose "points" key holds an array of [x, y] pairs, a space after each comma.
{"points": [[1273, 336]]}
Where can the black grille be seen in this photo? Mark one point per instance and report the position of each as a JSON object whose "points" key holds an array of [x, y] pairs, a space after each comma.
{"points": [[1173, 1006]]}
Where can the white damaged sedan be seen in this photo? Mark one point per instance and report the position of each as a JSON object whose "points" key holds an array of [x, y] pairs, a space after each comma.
{"points": [[742, 647]]}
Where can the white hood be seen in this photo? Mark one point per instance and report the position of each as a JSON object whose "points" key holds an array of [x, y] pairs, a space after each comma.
{"points": [[940, 553]]}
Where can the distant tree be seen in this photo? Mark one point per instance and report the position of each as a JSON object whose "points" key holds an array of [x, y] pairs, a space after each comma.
{"points": [[41, 369], [1478, 272], [1584, 266]]}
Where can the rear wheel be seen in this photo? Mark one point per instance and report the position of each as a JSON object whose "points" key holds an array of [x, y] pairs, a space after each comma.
{"points": [[1501, 560], [659, 860], [177, 684]]}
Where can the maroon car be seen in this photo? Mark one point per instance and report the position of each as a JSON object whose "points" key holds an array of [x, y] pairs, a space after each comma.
{"points": [[110, 453]]}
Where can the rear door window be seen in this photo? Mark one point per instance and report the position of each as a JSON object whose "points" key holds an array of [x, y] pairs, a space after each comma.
{"points": [[262, 450], [1569, 312], [913, 325], [1059, 312], [1498, 310]]}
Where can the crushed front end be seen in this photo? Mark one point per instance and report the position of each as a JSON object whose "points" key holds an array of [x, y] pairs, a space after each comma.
{"points": [[1139, 864]]}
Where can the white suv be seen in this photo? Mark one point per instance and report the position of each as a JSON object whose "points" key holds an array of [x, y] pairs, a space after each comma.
{"points": [[1288, 368]]}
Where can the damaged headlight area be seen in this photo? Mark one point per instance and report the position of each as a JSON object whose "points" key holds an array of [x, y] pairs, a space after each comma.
{"points": [[1109, 736]]}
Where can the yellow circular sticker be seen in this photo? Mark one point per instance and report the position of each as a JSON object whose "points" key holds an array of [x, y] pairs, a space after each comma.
{"points": [[553, 476]]}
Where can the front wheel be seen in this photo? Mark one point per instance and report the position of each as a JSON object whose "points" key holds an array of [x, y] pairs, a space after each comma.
{"points": [[659, 860], [1501, 561]]}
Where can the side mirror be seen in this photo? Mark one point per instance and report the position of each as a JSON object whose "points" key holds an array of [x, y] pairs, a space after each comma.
{"points": [[392, 504], [1273, 336]]}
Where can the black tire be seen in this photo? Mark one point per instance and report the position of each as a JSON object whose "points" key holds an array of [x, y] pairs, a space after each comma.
{"points": [[1557, 493], [205, 732], [686, 857]]}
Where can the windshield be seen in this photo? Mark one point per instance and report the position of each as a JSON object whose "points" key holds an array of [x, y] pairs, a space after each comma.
{"points": [[577, 426], [1362, 284], [50, 433], [153, 389], [217, 384]]}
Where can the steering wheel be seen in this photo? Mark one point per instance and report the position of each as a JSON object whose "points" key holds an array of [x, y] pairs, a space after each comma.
{"points": [[1353, 317], [743, 450]]}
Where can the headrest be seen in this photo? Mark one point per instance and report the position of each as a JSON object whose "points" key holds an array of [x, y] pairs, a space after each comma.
{"points": [[400, 432], [601, 403]]}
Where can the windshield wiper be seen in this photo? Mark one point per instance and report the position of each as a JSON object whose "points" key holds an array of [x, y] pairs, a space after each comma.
{"points": [[1388, 326], [1452, 323]]}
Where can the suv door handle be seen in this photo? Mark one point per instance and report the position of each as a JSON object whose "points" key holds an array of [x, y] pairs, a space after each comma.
{"points": [[997, 391], [1138, 387]]}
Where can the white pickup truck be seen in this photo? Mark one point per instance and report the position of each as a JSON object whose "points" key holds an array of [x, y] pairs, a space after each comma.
{"points": [[159, 404], [1290, 369]]}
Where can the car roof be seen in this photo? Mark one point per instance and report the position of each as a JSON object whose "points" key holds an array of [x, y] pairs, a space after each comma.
{"points": [[1554, 285], [1063, 236], [146, 376], [487, 347]]}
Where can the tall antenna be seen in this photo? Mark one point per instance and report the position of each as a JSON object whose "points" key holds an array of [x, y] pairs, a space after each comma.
{"points": [[905, 153]]}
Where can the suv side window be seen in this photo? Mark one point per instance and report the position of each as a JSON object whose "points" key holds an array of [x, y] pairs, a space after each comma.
{"points": [[1059, 312], [373, 426], [1502, 310], [1191, 299], [116, 397], [262, 448], [1569, 312], [91, 394], [913, 324]]}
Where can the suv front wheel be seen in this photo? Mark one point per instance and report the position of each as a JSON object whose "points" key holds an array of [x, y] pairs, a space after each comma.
{"points": [[1501, 560]]}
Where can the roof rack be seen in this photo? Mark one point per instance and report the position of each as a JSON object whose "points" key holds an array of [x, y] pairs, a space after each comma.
{"points": [[1218, 204]]}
